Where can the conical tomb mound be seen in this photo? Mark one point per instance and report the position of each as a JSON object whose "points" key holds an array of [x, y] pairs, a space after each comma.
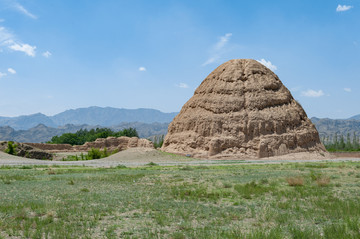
{"points": [[241, 109]]}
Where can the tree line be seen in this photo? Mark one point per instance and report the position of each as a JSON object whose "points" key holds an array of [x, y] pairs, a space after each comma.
{"points": [[83, 135], [341, 143]]}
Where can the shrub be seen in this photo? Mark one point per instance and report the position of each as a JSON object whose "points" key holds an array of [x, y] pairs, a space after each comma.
{"points": [[51, 171], [25, 167], [120, 166], [227, 185], [250, 189], [187, 168], [105, 153], [11, 148], [152, 164], [85, 190], [295, 181], [323, 181], [264, 181], [7, 181], [94, 154]]}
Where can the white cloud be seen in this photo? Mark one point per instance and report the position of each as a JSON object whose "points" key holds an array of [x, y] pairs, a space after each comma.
{"points": [[223, 40], [343, 8], [295, 89], [182, 85], [217, 49], [2, 75], [23, 10], [5, 36], [11, 70], [7, 39], [47, 54], [26, 48], [312, 93], [347, 89], [2, 20], [268, 64], [141, 68], [210, 60]]}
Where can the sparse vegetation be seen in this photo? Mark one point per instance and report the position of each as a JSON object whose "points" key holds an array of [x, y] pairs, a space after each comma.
{"points": [[158, 141], [323, 181], [82, 136], [11, 148], [152, 164], [339, 143], [295, 181], [94, 153], [218, 201]]}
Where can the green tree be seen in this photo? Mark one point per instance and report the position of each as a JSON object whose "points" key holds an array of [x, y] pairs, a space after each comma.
{"points": [[130, 132], [348, 145], [341, 143], [83, 136], [11, 148], [355, 142]]}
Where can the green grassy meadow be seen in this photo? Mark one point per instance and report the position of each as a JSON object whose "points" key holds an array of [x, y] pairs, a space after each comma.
{"points": [[289, 200]]}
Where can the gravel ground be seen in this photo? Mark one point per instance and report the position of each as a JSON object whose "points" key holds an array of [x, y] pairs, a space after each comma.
{"points": [[141, 156]]}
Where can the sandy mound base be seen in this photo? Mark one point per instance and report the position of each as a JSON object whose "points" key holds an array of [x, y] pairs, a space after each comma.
{"points": [[141, 156]]}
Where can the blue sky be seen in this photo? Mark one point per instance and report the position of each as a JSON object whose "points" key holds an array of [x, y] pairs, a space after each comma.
{"points": [[57, 55]]}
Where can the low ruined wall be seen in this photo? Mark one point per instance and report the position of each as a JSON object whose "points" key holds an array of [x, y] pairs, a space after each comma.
{"points": [[113, 143], [52, 147], [27, 150], [110, 143]]}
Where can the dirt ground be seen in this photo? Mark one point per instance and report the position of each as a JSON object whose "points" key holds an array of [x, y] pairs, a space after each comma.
{"points": [[346, 154], [141, 156]]}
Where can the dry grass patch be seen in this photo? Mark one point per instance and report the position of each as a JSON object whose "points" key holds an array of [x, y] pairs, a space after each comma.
{"points": [[295, 181], [323, 181], [51, 171]]}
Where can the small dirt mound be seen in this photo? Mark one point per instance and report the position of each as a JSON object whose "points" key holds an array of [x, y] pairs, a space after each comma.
{"points": [[26, 151]]}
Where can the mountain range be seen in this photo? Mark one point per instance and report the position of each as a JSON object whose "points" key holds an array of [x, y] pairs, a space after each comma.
{"points": [[43, 133], [90, 116], [356, 117], [329, 127], [148, 122]]}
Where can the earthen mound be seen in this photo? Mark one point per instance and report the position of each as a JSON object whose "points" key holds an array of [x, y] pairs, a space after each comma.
{"points": [[26, 151], [241, 109], [110, 143], [114, 143]]}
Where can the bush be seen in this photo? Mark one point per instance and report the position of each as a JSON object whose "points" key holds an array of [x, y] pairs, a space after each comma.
{"points": [[323, 181], [152, 164], [94, 154], [85, 190], [51, 171], [295, 181], [11, 148]]}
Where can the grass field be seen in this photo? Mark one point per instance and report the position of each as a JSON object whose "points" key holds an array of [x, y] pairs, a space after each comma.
{"points": [[289, 200]]}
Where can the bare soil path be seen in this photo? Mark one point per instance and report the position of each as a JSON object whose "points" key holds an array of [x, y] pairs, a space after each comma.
{"points": [[141, 156]]}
